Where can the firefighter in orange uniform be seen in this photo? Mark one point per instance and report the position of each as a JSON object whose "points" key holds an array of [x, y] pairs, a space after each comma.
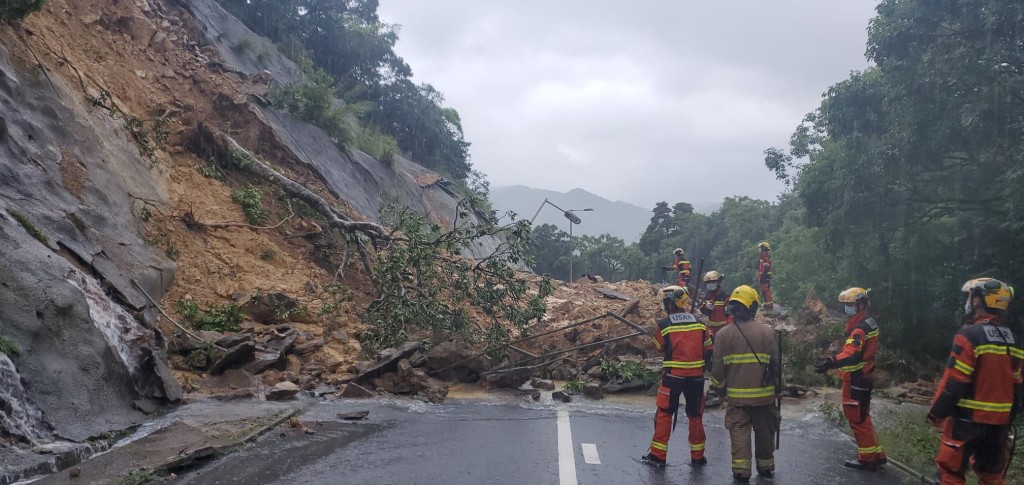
{"points": [[981, 390], [714, 302], [681, 266], [687, 348], [764, 274], [856, 364]]}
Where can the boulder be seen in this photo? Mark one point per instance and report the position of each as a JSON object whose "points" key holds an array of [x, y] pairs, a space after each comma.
{"points": [[561, 396], [354, 416], [625, 386], [389, 359], [275, 308], [228, 341], [353, 390], [282, 391], [533, 394], [593, 390], [446, 354], [309, 347], [323, 391], [262, 361], [543, 384], [563, 372], [507, 379], [234, 357], [282, 344], [137, 27]]}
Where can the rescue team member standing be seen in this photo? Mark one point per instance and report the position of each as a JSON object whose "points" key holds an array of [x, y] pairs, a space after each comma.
{"points": [[746, 364], [764, 273], [714, 302], [856, 364], [681, 266], [687, 348], [981, 389]]}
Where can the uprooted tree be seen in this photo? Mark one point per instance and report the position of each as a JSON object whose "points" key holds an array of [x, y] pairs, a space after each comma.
{"points": [[423, 282]]}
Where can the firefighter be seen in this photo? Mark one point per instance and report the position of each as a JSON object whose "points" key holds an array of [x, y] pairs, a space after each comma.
{"points": [[856, 364], [981, 390], [746, 365], [681, 266], [764, 273], [714, 302], [687, 348]]}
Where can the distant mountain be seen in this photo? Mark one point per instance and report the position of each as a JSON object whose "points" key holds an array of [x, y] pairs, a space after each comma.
{"points": [[620, 219]]}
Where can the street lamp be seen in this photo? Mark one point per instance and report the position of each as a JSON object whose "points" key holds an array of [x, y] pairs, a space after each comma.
{"points": [[573, 221]]}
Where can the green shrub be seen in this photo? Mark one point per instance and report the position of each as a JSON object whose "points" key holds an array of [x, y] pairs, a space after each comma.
{"points": [[574, 386], [251, 200], [627, 371], [9, 348], [31, 228], [15, 10], [218, 318], [377, 144]]}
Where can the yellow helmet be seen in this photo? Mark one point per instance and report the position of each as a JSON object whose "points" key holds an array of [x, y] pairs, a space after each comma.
{"points": [[746, 296], [678, 295], [679, 252], [712, 276], [997, 295], [764, 245], [853, 295]]}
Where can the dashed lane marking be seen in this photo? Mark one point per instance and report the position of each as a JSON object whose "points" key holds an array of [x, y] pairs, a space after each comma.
{"points": [[566, 452], [590, 454]]}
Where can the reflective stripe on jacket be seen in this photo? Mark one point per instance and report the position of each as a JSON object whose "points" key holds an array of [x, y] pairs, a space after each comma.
{"points": [[736, 366], [685, 344], [861, 346]]}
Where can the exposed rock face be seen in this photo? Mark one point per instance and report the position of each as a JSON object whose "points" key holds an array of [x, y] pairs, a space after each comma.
{"points": [[77, 376]]}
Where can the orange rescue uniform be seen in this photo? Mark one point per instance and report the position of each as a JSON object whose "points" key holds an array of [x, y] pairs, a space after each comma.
{"points": [[856, 364], [686, 345], [764, 277], [683, 268], [716, 314], [980, 392]]}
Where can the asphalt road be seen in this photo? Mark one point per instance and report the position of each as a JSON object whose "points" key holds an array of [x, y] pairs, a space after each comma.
{"points": [[503, 440]]}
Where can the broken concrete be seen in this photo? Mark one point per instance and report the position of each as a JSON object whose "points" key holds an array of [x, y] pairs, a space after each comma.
{"points": [[233, 358], [543, 384], [388, 361], [283, 391]]}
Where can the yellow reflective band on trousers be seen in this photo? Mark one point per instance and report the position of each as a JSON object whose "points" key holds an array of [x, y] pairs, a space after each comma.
{"points": [[659, 445], [739, 392], [741, 464], [854, 367], [995, 407], [678, 364], [762, 464], [656, 344], [869, 450], [719, 324], [693, 327], [962, 367], [694, 447], [746, 359]]}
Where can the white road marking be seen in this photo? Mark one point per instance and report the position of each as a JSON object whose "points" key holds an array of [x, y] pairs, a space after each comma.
{"points": [[566, 452], [590, 453]]}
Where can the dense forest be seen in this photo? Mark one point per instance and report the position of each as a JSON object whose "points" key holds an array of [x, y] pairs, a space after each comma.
{"points": [[908, 179], [348, 53]]}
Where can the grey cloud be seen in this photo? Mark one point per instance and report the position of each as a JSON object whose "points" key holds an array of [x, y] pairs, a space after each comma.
{"points": [[632, 102]]}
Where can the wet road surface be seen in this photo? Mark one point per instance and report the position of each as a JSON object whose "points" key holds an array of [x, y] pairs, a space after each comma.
{"points": [[508, 441]]}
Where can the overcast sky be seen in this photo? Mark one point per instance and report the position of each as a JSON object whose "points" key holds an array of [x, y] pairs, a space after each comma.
{"points": [[638, 101]]}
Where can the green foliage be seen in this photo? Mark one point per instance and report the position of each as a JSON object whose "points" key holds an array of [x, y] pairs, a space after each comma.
{"points": [[627, 370], [149, 136], [251, 200], [574, 386], [8, 347], [354, 49], [30, 227], [268, 254], [15, 10], [425, 285], [215, 317], [910, 172], [138, 477], [377, 144], [313, 101], [908, 437], [833, 413]]}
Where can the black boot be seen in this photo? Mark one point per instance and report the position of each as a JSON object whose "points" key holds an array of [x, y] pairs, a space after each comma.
{"points": [[701, 462], [739, 477], [652, 460], [861, 465]]}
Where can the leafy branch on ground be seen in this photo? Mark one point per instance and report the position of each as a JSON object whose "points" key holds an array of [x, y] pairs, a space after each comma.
{"points": [[215, 317], [251, 200], [627, 370], [574, 386], [424, 284]]}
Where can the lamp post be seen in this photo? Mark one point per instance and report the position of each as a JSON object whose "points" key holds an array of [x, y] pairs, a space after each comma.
{"points": [[573, 219]]}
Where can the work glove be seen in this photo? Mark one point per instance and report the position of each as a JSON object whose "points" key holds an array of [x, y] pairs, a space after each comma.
{"points": [[824, 364]]}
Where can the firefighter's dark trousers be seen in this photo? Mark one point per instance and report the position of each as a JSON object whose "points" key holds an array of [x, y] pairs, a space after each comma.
{"points": [[692, 390], [984, 446]]}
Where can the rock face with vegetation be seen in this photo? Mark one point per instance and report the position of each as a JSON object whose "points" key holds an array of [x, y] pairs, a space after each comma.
{"points": [[162, 222]]}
